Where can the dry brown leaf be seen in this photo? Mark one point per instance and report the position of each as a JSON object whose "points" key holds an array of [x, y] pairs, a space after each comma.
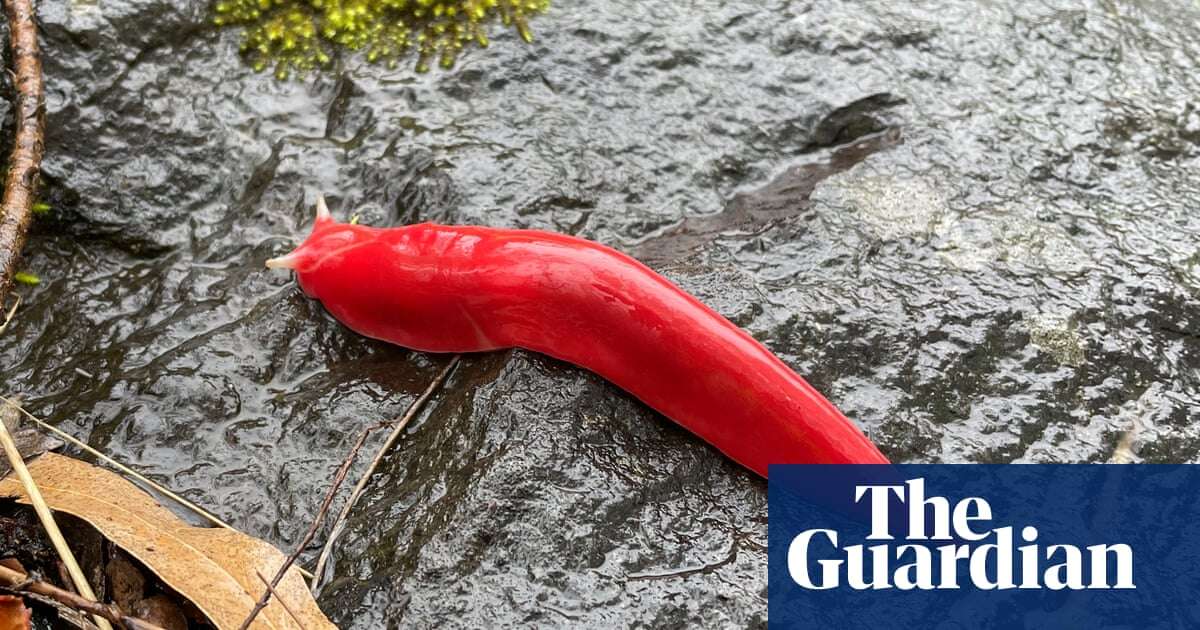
{"points": [[213, 568], [13, 613]]}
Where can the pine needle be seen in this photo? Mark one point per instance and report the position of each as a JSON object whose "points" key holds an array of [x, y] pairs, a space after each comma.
{"points": [[12, 311], [282, 602]]}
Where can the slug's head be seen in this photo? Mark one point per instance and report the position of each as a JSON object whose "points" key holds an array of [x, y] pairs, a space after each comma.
{"points": [[378, 283], [321, 249]]}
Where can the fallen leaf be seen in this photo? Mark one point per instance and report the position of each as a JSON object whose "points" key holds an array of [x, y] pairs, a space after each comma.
{"points": [[13, 613], [211, 567]]}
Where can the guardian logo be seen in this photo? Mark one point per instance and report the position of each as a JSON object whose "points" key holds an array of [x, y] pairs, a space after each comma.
{"points": [[956, 547], [965, 547]]}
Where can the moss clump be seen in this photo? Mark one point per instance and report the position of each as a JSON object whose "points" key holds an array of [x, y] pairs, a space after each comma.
{"points": [[295, 36]]}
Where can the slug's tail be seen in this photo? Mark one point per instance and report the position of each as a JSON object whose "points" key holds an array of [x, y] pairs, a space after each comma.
{"points": [[292, 259]]}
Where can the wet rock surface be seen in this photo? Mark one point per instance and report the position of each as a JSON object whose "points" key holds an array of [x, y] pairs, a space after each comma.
{"points": [[972, 226]]}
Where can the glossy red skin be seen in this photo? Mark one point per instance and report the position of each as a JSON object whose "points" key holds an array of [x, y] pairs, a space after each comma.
{"points": [[440, 288]]}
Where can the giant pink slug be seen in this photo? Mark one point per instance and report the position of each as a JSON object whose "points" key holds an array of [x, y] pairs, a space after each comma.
{"points": [[446, 288]]}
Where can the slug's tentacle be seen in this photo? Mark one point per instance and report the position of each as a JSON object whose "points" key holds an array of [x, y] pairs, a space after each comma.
{"points": [[443, 288], [293, 259], [323, 214], [283, 262]]}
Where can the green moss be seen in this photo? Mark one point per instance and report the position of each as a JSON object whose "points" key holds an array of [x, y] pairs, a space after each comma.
{"points": [[295, 36]]}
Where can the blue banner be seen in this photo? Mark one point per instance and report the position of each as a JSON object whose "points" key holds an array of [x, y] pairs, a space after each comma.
{"points": [[984, 546]]}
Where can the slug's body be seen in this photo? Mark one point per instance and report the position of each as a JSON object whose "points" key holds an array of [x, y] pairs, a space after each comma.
{"points": [[443, 288]]}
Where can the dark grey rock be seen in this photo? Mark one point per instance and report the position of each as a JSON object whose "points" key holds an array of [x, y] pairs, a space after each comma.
{"points": [[972, 226]]}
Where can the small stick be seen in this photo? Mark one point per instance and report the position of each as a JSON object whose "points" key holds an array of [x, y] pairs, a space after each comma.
{"points": [[126, 470], [69, 616], [338, 478], [279, 599], [340, 523], [47, 518], [29, 126], [22, 583]]}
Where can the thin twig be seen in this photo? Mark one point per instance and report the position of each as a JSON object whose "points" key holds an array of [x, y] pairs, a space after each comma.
{"points": [[22, 583], [25, 161], [67, 615], [338, 478], [47, 518], [199, 511], [340, 523], [12, 311], [282, 601]]}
